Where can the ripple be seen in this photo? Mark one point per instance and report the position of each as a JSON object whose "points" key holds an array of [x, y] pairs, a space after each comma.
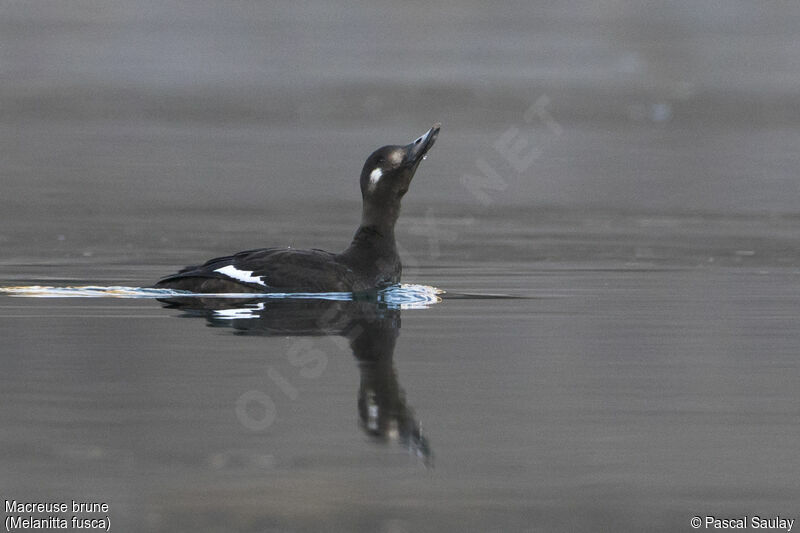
{"points": [[402, 296]]}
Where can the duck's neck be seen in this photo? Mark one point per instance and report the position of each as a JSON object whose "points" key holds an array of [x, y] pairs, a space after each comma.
{"points": [[374, 238]]}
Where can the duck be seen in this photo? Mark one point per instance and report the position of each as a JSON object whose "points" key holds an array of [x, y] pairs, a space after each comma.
{"points": [[370, 262]]}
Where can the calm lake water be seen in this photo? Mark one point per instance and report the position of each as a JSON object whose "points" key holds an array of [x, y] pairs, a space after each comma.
{"points": [[611, 208]]}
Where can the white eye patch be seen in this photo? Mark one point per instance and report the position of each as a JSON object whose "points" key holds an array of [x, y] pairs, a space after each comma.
{"points": [[375, 177]]}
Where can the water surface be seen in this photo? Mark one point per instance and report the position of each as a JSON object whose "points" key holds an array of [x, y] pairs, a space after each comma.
{"points": [[617, 346]]}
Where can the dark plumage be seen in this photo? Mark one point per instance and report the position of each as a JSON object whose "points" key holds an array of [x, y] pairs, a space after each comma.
{"points": [[371, 261]]}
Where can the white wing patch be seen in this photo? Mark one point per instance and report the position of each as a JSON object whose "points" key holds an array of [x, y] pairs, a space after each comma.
{"points": [[240, 275], [375, 177]]}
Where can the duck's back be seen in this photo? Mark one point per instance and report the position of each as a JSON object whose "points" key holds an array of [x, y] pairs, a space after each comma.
{"points": [[266, 270]]}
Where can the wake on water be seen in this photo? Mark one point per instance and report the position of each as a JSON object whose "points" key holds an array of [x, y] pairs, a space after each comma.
{"points": [[401, 296]]}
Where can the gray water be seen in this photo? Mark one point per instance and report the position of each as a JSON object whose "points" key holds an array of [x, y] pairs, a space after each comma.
{"points": [[617, 347]]}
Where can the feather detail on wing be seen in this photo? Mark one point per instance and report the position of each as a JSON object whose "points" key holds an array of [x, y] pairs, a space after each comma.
{"points": [[275, 269]]}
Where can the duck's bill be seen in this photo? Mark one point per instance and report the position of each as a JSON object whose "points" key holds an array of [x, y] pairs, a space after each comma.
{"points": [[420, 147]]}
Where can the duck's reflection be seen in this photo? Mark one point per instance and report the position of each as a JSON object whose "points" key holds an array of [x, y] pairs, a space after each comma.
{"points": [[371, 329]]}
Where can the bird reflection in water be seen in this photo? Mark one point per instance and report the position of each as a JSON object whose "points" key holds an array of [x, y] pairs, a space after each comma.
{"points": [[371, 327]]}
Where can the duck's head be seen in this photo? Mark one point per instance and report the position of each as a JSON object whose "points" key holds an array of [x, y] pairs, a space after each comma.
{"points": [[388, 172]]}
